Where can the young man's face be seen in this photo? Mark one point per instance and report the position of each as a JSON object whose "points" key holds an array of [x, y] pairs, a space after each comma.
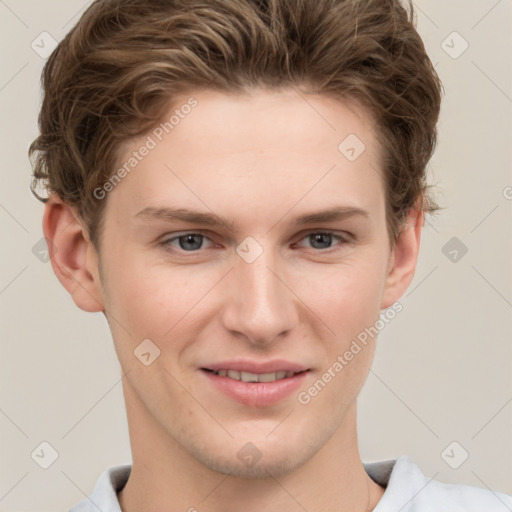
{"points": [[260, 293]]}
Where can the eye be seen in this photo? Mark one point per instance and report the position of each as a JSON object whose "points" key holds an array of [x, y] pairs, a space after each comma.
{"points": [[322, 240], [191, 242], [187, 242]]}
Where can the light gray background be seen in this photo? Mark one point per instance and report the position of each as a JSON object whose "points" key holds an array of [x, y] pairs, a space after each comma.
{"points": [[443, 369]]}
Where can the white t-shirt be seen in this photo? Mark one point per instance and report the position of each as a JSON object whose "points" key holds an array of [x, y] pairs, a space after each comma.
{"points": [[407, 490]]}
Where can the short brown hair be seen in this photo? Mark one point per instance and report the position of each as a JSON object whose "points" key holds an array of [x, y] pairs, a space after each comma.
{"points": [[125, 60]]}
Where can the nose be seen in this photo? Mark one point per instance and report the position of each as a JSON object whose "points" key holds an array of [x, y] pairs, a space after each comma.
{"points": [[260, 305]]}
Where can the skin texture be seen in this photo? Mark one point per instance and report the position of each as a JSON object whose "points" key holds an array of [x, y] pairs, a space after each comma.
{"points": [[258, 160]]}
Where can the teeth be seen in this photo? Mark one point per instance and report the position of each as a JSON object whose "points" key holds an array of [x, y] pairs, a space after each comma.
{"points": [[248, 377], [254, 377], [267, 377]]}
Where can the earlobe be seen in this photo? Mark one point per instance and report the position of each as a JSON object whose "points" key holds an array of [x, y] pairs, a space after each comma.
{"points": [[72, 255], [403, 259]]}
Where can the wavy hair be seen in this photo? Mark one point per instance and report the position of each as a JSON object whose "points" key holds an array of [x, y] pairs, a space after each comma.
{"points": [[114, 73]]}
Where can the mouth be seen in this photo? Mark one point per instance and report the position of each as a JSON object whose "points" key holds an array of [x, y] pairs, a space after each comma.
{"points": [[254, 384], [254, 377]]}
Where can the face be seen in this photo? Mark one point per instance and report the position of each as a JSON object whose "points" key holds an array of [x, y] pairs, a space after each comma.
{"points": [[212, 251]]}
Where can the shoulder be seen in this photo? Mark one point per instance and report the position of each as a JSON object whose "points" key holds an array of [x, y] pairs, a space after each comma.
{"points": [[104, 495], [409, 490], [466, 498]]}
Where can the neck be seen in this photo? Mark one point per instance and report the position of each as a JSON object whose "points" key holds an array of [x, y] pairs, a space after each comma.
{"points": [[166, 478]]}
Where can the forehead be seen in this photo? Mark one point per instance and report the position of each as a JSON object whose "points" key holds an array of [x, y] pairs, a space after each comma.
{"points": [[282, 144], [264, 121]]}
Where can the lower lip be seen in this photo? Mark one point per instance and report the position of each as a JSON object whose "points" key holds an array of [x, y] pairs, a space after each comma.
{"points": [[256, 393]]}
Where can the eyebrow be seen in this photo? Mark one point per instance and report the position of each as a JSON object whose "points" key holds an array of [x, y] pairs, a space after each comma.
{"points": [[211, 219]]}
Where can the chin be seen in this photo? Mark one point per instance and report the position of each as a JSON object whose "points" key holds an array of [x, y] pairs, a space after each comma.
{"points": [[253, 460], [265, 467]]}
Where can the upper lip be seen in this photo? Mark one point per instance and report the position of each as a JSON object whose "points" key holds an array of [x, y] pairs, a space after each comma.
{"points": [[245, 365]]}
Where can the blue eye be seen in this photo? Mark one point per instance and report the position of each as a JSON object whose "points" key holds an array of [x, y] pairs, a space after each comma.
{"points": [[187, 242], [321, 241], [324, 239]]}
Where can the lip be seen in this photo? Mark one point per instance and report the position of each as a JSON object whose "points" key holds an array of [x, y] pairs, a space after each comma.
{"points": [[246, 365], [256, 394]]}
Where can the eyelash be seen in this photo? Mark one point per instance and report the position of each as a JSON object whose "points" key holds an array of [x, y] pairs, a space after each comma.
{"points": [[344, 240]]}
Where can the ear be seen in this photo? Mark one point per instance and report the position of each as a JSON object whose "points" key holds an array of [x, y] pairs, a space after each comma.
{"points": [[72, 254], [403, 258]]}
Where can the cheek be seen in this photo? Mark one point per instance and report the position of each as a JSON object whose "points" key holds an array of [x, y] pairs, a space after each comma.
{"points": [[349, 304], [345, 297], [149, 300]]}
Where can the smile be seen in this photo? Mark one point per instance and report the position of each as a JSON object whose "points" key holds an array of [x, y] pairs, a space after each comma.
{"points": [[253, 388], [254, 377]]}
